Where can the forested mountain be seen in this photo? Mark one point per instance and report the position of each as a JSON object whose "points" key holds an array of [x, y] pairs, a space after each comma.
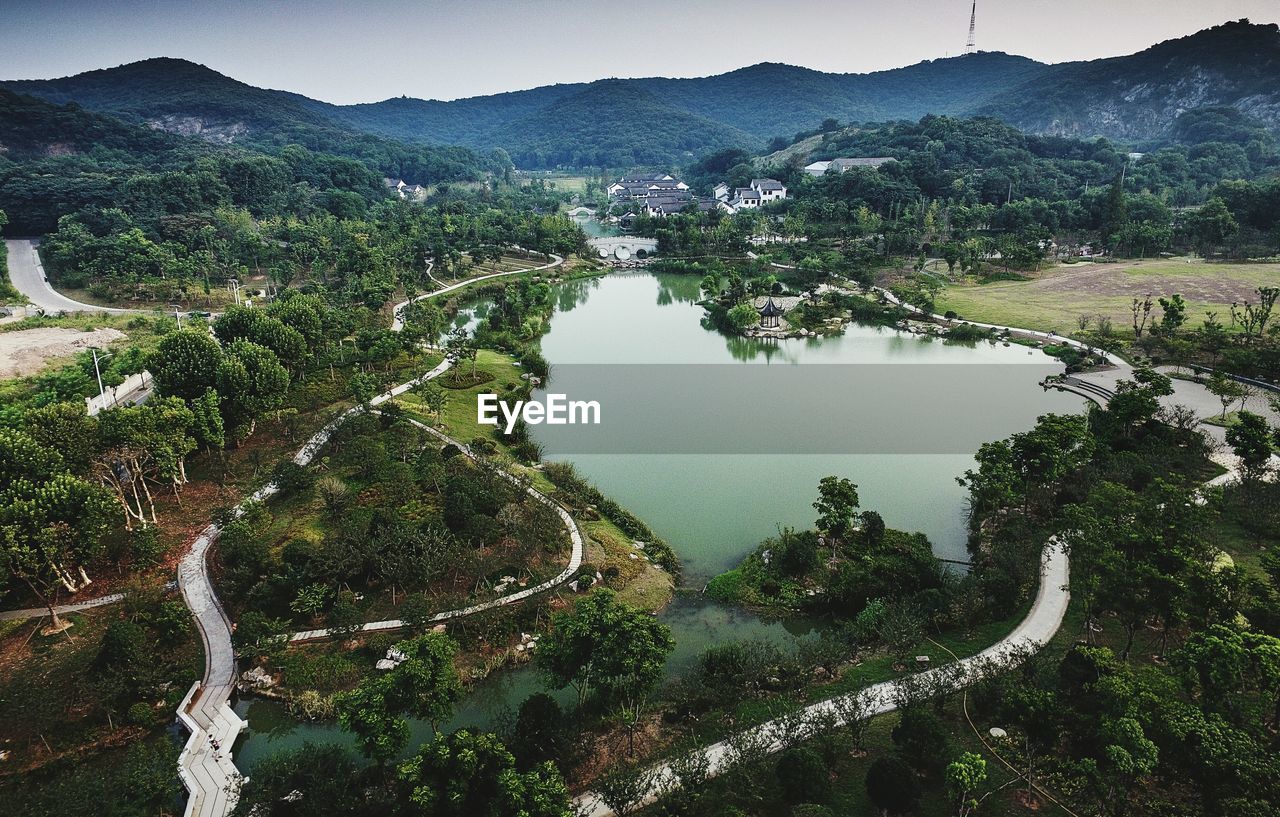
{"points": [[56, 160], [657, 120], [613, 123], [192, 100], [1137, 98]]}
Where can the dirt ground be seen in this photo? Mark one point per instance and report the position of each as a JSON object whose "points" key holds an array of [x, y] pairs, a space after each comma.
{"points": [[25, 352], [1201, 282], [1055, 297]]}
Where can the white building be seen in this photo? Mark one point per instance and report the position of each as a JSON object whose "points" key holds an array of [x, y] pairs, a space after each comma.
{"points": [[769, 190], [659, 185], [842, 165]]}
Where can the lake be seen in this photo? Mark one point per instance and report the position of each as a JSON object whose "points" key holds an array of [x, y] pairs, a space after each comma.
{"points": [[716, 442]]}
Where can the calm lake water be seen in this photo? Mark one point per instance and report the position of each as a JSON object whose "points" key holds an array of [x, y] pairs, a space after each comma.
{"points": [[716, 505]]}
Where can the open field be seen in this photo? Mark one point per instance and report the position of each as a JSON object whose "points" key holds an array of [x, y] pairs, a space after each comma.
{"points": [[1054, 298], [565, 182], [28, 351]]}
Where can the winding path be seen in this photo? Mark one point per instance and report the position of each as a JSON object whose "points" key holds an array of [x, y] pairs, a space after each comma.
{"points": [[205, 765], [1039, 626], [26, 273]]}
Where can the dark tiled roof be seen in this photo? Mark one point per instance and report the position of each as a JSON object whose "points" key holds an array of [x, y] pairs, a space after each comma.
{"points": [[770, 310]]}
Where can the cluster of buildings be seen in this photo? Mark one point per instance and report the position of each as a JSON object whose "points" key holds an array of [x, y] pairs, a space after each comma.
{"points": [[761, 192], [842, 165], [662, 194], [398, 187]]}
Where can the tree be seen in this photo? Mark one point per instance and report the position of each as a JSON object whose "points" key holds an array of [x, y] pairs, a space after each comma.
{"points": [[965, 776], [257, 326], [363, 386], [1174, 314], [1250, 439], [921, 739], [466, 774], [539, 733], [310, 779], [369, 713], [185, 363], [1137, 401], [1128, 755], [250, 382], [1210, 226], [873, 528], [836, 504], [802, 776], [51, 522], [608, 647], [425, 684], [1225, 389], [743, 316], [892, 785], [434, 398]]}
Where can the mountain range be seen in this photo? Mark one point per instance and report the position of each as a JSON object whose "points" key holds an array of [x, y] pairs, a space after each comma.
{"points": [[654, 121]]}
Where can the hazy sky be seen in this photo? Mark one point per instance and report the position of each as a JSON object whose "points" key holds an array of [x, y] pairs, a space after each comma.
{"points": [[443, 49]]}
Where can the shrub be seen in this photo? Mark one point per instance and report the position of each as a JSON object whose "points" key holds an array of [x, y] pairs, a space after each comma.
{"points": [[291, 477], [728, 587], [802, 775], [140, 714], [145, 547], [892, 785]]}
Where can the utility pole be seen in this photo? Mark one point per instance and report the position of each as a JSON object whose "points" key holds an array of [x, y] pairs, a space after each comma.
{"points": [[97, 371]]}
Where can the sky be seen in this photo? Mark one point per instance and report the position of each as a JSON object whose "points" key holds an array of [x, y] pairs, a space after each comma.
{"points": [[347, 51]]}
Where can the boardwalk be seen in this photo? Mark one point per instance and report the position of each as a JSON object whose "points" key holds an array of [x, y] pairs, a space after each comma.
{"points": [[206, 769]]}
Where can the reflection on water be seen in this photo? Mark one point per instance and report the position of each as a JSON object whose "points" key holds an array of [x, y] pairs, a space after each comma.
{"points": [[714, 509]]}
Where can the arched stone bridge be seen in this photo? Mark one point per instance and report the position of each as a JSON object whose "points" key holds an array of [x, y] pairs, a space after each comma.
{"points": [[624, 247]]}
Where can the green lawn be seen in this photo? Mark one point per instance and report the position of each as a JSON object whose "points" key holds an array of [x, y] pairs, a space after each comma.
{"points": [[1055, 298]]}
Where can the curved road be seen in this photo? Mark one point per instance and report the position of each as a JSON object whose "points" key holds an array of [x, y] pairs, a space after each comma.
{"points": [[205, 765], [26, 273]]}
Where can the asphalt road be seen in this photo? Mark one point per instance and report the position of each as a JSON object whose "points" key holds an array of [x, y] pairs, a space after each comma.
{"points": [[27, 276]]}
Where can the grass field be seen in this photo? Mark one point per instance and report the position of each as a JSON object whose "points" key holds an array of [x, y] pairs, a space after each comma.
{"points": [[1054, 298], [566, 182]]}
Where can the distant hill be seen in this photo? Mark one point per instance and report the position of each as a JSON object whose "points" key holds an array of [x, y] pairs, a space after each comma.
{"points": [[619, 123], [1137, 98], [614, 123], [191, 100], [36, 128]]}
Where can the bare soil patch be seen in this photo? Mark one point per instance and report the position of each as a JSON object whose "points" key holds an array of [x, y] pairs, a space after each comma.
{"points": [[26, 351], [1205, 283]]}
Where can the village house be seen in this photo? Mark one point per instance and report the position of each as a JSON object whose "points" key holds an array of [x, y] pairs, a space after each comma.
{"points": [[658, 185], [761, 191], [398, 187], [769, 190]]}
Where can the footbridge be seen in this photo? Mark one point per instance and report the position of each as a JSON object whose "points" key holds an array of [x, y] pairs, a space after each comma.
{"points": [[623, 247]]}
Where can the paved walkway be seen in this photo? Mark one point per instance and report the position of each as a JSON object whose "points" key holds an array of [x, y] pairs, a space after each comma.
{"points": [[575, 561], [61, 609], [208, 772], [1036, 629], [1040, 625]]}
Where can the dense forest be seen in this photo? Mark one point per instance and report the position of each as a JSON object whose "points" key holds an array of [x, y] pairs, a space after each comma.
{"points": [[619, 123]]}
